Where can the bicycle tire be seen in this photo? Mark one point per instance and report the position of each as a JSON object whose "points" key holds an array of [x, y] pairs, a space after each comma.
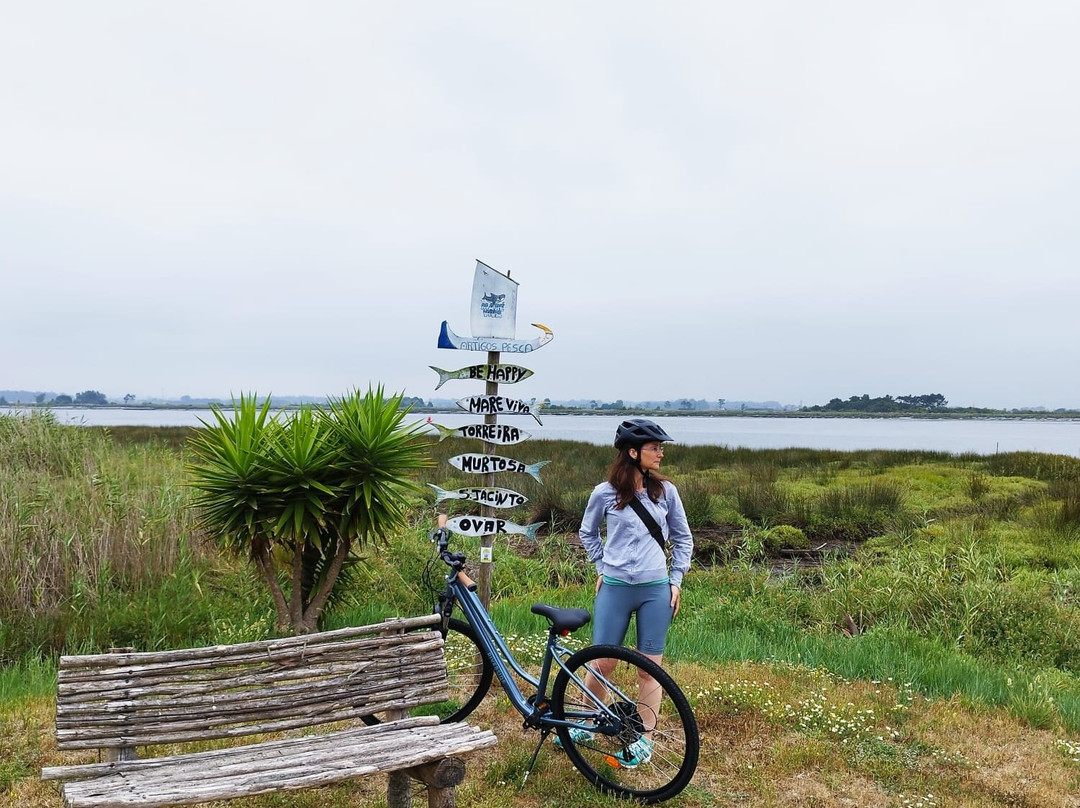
{"points": [[673, 731], [469, 671]]}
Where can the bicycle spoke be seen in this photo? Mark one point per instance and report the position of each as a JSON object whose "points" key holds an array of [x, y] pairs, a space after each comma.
{"points": [[646, 714], [468, 672]]}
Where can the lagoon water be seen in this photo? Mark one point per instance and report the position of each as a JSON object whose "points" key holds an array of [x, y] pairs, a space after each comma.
{"points": [[982, 436]]}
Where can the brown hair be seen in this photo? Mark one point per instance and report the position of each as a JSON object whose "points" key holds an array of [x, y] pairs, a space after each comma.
{"points": [[623, 479]]}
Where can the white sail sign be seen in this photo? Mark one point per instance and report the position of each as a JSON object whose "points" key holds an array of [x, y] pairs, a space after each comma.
{"points": [[494, 303]]}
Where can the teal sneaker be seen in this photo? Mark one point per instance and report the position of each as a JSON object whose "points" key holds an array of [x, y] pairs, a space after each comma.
{"points": [[640, 751], [578, 736]]}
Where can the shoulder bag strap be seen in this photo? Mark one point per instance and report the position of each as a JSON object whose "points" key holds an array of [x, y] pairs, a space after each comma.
{"points": [[650, 523]]}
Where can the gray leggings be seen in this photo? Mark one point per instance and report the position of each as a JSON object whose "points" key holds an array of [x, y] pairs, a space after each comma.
{"points": [[614, 606]]}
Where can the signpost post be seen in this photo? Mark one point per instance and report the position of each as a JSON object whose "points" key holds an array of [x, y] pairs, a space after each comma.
{"points": [[487, 542], [494, 326]]}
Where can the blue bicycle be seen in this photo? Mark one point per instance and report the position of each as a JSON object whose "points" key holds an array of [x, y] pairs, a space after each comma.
{"points": [[620, 717]]}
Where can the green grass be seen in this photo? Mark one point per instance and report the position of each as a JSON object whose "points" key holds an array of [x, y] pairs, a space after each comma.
{"points": [[965, 583], [963, 588], [29, 679]]}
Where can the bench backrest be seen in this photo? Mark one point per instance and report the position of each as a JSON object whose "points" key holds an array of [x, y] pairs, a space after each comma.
{"points": [[133, 699]]}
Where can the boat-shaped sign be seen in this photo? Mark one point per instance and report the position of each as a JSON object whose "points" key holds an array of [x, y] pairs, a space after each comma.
{"points": [[501, 434], [505, 374], [492, 497], [490, 526], [448, 339], [499, 405], [493, 464]]}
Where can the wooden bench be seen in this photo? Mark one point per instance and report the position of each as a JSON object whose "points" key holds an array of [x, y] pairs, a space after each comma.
{"points": [[120, 701]]}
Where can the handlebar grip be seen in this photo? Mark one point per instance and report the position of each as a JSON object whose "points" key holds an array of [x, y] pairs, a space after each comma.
{"points": [[465, 579]]}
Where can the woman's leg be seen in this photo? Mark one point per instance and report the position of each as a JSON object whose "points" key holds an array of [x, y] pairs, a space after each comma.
{"points": [[653, 620], [649, 695], [611, 620]]}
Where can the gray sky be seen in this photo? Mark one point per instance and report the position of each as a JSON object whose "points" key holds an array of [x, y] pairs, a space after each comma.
{"points": [[772, 200]]}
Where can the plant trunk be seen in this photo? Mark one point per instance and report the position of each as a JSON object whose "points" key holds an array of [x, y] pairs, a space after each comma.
{"points": [[296, 596], [281, 609], [318, 602]]}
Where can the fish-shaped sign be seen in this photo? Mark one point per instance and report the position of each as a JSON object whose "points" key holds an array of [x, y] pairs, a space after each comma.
{"points": [[492, 497], [506, 374], [502, 434], [491, 525], [493, 464], [448, 339], [499, 405]]}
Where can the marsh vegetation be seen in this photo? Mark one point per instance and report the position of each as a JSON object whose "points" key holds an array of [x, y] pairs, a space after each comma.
{"points": [[880, 627]]}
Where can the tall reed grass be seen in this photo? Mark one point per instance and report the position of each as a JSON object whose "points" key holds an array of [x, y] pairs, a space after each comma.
{"points": [[85, 525]]}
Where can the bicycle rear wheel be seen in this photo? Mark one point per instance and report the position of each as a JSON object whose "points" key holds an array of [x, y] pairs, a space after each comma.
{"points": [[649, 705], [468, 671]]}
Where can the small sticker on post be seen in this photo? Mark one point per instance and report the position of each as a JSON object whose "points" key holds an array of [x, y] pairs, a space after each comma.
{"points": [[485, 555]]}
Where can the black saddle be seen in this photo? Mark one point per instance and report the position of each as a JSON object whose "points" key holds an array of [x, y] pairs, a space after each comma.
{"points": [[562, 620]]}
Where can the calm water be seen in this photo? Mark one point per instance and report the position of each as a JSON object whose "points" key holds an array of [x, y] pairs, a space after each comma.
{"points": [[982, 436]]}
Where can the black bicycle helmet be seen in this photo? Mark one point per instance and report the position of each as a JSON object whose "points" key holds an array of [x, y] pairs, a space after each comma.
{"points": [[639, 431]]}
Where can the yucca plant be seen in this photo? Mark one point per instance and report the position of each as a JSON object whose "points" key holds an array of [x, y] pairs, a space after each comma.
{"points": [[299, 492]]}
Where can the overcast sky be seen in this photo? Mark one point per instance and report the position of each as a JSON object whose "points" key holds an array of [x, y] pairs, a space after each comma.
{"points": [[782, 201]]}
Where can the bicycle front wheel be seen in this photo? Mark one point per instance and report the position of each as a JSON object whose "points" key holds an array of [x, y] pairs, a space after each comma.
{"points": [[648, 750], [468, 671]]}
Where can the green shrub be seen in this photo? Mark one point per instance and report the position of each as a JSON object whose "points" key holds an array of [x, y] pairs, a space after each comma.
{"points": [[697, 495], [977, 485], [1068, 491], [761, 501], [785, 537]]}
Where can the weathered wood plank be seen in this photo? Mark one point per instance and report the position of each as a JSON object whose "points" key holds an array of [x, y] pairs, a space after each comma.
{"points": [[269, 767], [283, 644], [251, 688], [204, 733], [308, 690], [134, 667], [124, 700], [212, 756], [174, 683]]}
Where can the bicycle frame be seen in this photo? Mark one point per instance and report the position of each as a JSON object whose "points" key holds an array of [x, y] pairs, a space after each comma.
{"points": [[502, 660]]}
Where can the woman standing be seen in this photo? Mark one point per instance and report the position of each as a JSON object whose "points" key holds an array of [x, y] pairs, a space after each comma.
{"points": [[642, 511]]}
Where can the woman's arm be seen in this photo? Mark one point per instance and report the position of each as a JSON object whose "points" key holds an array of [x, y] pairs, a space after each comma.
{"points": [[682, 540], [589, 532]]}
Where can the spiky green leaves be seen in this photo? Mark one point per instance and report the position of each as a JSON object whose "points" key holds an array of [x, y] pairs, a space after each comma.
{"points": [[308, 484]]}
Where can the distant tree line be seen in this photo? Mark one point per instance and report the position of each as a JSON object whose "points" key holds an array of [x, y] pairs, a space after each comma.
{"points": [[87, 398], [864, 403]]}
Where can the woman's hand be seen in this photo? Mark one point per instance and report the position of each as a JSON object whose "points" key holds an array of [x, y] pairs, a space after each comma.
{"points": [[599, 583], [676, 597]]}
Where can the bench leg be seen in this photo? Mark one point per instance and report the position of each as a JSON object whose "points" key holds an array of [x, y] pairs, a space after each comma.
{"points": [[399, 790], [440, 777]]}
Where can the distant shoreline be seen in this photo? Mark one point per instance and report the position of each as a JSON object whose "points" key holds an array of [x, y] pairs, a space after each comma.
{"points": [[960, 414]]}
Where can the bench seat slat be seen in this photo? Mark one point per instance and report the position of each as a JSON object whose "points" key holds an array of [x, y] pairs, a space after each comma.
{"points": [[270, 767]]}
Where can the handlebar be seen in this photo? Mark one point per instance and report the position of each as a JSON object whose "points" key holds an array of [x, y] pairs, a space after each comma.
{"points": [[456, 561]]}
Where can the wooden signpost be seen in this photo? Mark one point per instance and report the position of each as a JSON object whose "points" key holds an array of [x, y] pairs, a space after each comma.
{"points": [[494, 327]]}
